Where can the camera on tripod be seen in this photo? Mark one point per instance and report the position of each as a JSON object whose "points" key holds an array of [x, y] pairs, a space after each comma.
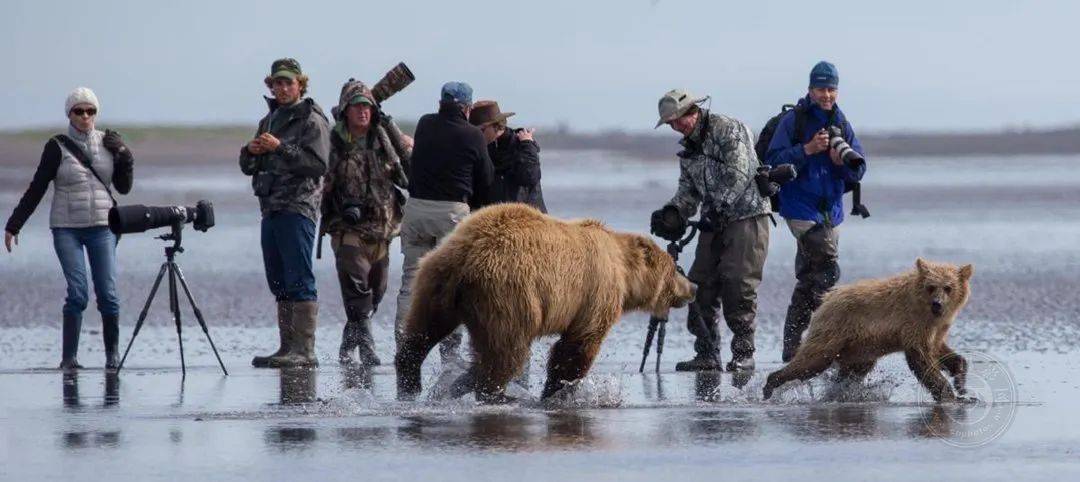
{"points": [[138, 218]]}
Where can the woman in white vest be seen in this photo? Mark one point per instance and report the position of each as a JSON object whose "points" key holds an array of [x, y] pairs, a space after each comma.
{"points": [[84, 166]]}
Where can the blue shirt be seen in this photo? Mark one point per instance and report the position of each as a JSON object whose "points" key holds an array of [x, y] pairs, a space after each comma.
{"points": [[819, 187]]}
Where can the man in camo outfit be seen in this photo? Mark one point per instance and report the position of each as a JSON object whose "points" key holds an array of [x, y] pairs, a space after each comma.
{"points": [[362, 210], [717, 169]]}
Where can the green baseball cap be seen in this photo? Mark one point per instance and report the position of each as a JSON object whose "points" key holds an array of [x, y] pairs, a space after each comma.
{"points": [[286, 67], [361, 99]]}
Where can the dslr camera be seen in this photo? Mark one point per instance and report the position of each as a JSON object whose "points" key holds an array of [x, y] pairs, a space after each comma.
{"points": [[852, 159]]}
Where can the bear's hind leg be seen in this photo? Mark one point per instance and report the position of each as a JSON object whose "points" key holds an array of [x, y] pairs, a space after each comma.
{"points": [[569, 361], [809, 361]]}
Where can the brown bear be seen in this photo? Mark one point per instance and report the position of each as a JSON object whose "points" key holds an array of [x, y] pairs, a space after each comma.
{"points": [[859, 323], [511, 274]]}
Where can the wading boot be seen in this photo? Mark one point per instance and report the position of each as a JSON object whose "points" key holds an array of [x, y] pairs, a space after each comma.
{"points": [[111, 335], [301, 342], [70, 341], [357, 344], [700, 363], [284, 316], [742, 351]]}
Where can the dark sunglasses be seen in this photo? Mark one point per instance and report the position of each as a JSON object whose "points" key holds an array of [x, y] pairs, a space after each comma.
{"points": [[78, 111]]}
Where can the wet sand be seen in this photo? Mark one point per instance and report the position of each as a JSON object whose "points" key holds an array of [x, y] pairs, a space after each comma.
{"points": [[1015, 218]]}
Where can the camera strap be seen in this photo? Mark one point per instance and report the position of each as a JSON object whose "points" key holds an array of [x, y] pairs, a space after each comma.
{"points": [[84, 159]]}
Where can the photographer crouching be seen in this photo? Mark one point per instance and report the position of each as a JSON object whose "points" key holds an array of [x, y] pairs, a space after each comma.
{"points": [[362, 210], [286, 160], [818, 140], [718, 168]]}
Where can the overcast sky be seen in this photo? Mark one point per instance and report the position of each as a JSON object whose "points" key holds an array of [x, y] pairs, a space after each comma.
{"points": [[924, 65]]}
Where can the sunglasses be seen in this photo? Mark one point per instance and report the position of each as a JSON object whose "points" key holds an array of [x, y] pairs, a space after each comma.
{"points": [[79, 111]]}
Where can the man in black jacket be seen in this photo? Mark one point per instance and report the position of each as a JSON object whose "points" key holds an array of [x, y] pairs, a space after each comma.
{"points": [[514, 154], [450, 171]]}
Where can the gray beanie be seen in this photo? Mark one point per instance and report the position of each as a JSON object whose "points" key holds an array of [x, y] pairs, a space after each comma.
{"points": [[81, 95]]}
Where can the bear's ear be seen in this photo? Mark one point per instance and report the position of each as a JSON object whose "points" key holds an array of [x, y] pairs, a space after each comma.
{"points": [[922, 266], [966, 271]]}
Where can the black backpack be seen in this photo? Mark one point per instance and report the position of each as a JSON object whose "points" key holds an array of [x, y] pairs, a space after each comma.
{"points": [[766, 136]]}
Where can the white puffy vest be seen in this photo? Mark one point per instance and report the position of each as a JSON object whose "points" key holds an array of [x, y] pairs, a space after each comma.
{"points": [[79, 199]]}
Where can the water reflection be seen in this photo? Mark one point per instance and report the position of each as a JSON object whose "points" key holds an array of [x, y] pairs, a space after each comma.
{"points": [[70, 390], [502, 431], [297, 385], [357, 377]]}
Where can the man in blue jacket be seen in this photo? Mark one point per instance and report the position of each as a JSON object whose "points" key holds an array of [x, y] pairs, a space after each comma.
{"points": [[813, 204]]}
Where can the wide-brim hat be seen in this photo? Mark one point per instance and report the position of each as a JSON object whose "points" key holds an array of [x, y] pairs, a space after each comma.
{"points": [[675, 103], [486, 112]]}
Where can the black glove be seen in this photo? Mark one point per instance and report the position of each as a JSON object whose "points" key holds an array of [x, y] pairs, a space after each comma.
{"points": [[668, 223], [115, 145]]}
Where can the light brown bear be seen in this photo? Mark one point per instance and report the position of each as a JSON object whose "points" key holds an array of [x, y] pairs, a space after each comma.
{"points": [[511, 274], [859, 323]]}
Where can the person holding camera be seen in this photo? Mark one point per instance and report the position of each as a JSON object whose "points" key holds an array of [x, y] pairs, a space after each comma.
{"points": [[515, 155], [812, 204], [450, 173], [286, 160], [362, 210], [717, 169], [83, 165]]}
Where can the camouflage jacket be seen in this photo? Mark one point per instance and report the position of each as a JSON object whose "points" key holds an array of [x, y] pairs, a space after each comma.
{"points": [[717, 169], [366, 173], [298, 165]]}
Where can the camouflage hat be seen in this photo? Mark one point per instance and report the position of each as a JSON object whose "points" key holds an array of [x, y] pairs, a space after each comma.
{"points": [[675, 103], [286, 67], [353, 92]]}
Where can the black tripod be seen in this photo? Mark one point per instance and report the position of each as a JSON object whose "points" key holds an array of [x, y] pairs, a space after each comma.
{"points": [[175, 275], [658, 325]]}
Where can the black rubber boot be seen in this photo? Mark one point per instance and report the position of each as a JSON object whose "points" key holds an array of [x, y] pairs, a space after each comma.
{"points": [[70, 341], [111, 334], [700, 363], [741, 364]]}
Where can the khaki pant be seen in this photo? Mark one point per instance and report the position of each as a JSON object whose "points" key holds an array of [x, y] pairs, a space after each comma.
{"points": [[817, 269], [727, 268], [424, 224]]}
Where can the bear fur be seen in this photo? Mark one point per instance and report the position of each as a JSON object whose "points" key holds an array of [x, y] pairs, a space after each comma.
{"points": [[859, 323], [511, 274]]}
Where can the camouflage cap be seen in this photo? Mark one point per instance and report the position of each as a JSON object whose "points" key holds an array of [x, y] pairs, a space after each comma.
{"points": [[286, 67], [675, 103], [354, 92]]}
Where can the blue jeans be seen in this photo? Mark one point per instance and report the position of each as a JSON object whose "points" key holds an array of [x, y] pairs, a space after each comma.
{"points": [[73, 247], [287, 242]]}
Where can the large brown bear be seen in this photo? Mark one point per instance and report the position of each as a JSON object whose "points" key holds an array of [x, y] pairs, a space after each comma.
{"points": [[859, 323], [512, 274]]}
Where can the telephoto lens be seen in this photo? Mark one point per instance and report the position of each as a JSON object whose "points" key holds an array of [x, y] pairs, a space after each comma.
{"points": [[138, 218], [769, 180], [847, 154], [393, 82], [351, 213]]}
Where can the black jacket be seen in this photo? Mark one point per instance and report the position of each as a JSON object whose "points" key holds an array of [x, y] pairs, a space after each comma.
{"points": [[517, 171], [450, 160]]}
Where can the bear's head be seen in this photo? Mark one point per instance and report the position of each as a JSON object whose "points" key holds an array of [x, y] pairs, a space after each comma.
{"points": [[653, 281], [945, 287]]}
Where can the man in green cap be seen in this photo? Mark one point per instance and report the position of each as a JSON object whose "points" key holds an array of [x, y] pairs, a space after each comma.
{"points": [[286, 160], [717, 169], [362, 210]]}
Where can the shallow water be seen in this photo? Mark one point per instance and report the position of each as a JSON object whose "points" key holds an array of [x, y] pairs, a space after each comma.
{"points": [[1014, 218]]}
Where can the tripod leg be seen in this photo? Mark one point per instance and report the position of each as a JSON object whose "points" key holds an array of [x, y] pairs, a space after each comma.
{"points": [[198, 315], [660, 342], [648, 342], [142, 314], [174, 305]]}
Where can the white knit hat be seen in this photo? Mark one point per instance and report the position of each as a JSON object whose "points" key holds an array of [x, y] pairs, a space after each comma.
{"points": [[81, 95]]}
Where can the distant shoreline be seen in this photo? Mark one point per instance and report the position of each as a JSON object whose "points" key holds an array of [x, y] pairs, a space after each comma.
{"points": [[213, 141]]}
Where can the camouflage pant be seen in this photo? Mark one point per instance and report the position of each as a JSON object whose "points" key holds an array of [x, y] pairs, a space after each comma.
{"points": [[816, 270], [363, 269], [727, 269]]}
